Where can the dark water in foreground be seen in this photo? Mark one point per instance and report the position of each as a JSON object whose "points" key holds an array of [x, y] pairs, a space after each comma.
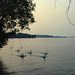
{"points": [[59, 61]]}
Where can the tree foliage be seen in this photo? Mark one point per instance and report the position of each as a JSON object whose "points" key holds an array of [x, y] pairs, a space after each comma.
{"points": [[16, 15]]}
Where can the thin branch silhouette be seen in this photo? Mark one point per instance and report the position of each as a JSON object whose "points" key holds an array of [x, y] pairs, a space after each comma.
{"points": [[68, 8], [55, 3]]}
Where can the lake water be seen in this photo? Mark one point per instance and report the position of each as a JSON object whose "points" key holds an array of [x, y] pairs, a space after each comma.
{"points": [[59, 61]]}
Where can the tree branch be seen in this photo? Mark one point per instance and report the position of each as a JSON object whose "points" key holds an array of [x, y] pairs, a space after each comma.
{"points": [[55, 3], [68, 8]]}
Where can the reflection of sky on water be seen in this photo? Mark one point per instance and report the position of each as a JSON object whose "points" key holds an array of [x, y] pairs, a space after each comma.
{"points": [[59, 61]]}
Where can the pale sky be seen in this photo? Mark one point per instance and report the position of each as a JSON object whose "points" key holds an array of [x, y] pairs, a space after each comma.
{"points": [[51, 20]]}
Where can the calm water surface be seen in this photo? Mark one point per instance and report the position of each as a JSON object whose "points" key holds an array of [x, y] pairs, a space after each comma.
{"points": [[59, 61]]}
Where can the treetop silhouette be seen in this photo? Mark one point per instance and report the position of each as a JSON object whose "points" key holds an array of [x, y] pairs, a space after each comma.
{"points": [[16, 15]]}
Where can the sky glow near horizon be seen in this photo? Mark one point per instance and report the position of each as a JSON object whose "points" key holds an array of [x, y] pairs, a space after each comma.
{"points": [[51, 20]]}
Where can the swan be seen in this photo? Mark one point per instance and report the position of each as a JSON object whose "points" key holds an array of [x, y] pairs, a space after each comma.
{"points": [[45, 53], [18, 50], [22, 55], [11, 48], [30, 52], [44, 56], [21, 47]]}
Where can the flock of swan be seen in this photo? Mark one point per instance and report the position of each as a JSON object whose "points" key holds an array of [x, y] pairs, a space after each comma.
{"points": [[22, 55]]}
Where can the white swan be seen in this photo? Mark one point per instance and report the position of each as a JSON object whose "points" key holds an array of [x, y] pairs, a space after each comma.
{"points": [[22, 55], [21, 47], [11, 48], [18, 50], [44, 56], [45, 53], [30, 52]]}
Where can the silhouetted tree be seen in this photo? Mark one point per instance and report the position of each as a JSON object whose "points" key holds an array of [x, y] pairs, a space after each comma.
{"points": [[15, 15]]}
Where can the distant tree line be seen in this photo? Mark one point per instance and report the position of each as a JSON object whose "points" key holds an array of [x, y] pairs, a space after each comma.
{"points": [[21, 35]]}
